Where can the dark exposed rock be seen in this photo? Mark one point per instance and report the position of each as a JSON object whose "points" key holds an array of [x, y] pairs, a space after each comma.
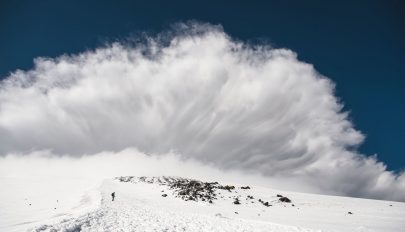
{"points": [[278, 195], [349, 212], [246, 187], [236, 202], [125, 178], [266, 204], [227, 187], [164, 195], [285, 199]]}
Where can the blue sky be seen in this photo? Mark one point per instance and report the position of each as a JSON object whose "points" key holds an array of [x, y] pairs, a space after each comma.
{"points": [[360, 46]]}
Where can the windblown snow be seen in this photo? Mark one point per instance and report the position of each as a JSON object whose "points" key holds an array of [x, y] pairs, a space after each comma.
{"points": [[203, 95], [179, 204], [194, 103]]}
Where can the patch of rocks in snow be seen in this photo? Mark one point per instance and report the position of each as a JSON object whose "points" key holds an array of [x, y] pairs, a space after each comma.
{"points": [[195, 190]]}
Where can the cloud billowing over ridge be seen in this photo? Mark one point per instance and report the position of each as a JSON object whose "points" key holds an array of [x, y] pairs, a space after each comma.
{"points": [[203, 96]]}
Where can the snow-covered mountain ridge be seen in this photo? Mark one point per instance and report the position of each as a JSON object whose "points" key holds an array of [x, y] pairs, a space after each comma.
{"points": [[180, 204]]}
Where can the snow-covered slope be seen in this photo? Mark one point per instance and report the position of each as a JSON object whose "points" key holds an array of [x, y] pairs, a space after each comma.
{"points": [[29, 201], [176, 204]]}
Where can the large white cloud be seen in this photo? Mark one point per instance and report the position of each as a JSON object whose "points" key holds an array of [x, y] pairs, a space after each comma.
{"points": [[203, 96]]}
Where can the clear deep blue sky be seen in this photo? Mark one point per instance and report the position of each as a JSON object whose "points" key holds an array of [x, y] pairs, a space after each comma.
{"points": [[360, 45]]}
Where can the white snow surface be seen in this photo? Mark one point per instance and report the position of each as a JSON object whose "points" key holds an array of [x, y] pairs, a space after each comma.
{"points": [[140, 206], [30, 201]]}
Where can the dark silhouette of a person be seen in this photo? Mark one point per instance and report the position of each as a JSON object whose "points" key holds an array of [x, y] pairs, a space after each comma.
{"points": [[113, 196]]}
